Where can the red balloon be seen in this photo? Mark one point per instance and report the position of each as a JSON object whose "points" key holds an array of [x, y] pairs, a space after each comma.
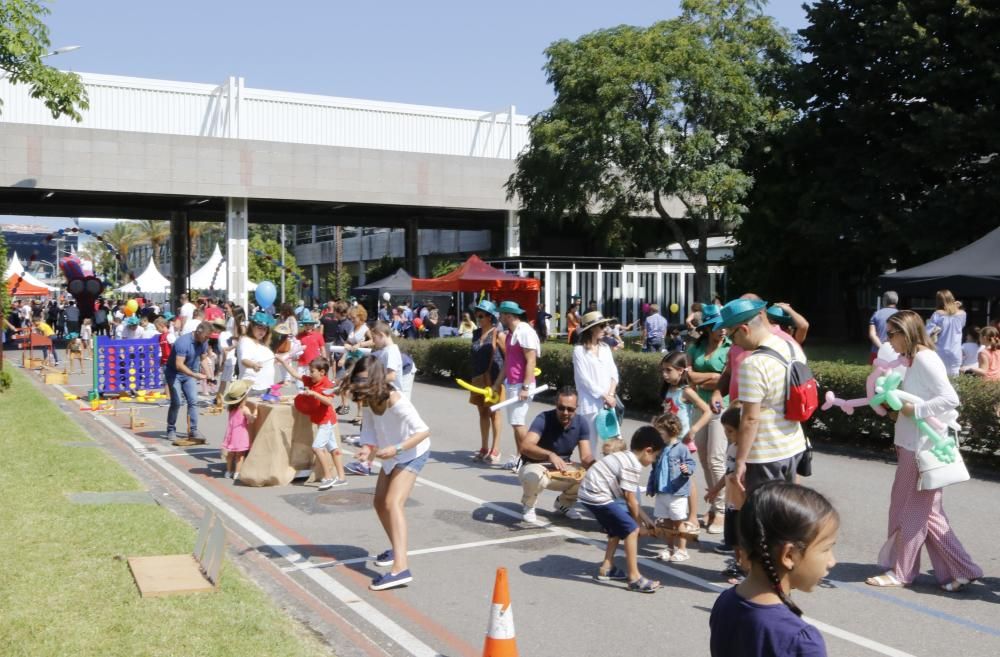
{"points": [[418, 322]]}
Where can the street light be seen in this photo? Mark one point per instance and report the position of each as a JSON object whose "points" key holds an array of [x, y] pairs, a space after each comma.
{"points": [[62, 51]]}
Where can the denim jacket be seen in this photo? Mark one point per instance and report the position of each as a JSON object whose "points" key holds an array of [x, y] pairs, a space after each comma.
{"points": [[666, 476]]}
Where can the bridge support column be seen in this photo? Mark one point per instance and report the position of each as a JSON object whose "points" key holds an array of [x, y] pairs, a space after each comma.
{"points": [[411, 249], [237, 262], [314, 289], [180, 257], [512, 243]]}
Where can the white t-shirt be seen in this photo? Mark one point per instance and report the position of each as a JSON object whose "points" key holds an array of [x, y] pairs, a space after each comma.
{"points": [[119, 330], [392, 360], [593, 374], [224, 339], [149, 332], [187, 310], [399, 422], [190, 325], [251, 350], [970, 354], [607, 479]]}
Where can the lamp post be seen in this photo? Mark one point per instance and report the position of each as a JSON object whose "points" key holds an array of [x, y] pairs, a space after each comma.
{"points": [[282, 263]]}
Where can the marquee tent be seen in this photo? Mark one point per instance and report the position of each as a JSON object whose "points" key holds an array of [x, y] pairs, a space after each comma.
{"points": [[213, 275], [972, 271], [25, 288], [150, 281], [400, 283], [474, 275], [16, 269]]}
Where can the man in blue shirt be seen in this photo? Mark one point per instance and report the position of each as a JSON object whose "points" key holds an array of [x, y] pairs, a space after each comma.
{"points": [[654, 329], [548, 447], [182, 374], [876, 325]]}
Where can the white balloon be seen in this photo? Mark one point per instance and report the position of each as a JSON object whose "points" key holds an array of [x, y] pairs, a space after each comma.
{"points": [[386, 296]]}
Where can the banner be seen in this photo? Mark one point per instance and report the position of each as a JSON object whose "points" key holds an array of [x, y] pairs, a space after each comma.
{"points": [[124, 366]]}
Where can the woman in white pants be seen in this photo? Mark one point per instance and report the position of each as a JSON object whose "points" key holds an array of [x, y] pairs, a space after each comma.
{"points": [[594, 372]]}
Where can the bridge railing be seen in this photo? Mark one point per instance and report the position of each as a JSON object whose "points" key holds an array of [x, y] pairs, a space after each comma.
{"points": [[234, 111]]}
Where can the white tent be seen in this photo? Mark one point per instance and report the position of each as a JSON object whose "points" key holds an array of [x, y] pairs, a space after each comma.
{"points": [[15, 267], [213, 275], [151, 281]]}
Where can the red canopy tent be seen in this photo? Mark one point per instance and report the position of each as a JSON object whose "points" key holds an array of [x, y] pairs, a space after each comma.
{"points": [[24, 288], [474, 275]]}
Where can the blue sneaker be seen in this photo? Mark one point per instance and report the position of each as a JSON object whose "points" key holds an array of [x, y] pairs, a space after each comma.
{"points": [[358, 468], [268, 397], [391, 581], [385, 558]]}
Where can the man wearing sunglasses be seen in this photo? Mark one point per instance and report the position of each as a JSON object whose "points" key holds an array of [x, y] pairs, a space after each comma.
{"points": [[547, 448]]}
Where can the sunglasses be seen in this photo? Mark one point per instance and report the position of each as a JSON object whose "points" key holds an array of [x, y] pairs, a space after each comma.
{"points": [[565, 409]]}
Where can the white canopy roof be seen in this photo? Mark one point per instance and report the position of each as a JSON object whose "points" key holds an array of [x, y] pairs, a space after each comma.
{"points": [[214, 268], [151, 281], [15, 267]]}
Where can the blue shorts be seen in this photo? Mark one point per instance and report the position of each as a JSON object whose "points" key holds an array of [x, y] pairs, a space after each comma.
{"points": [[614, 518], [326, 437], [414, 466]]}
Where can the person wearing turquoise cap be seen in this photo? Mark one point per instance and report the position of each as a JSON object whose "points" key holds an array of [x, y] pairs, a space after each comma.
{"points": [[784, 318], [488, 344], [521, 356], [769, 445]]}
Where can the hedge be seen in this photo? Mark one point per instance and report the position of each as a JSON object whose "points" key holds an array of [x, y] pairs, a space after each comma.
{"points": [[448, 358]]}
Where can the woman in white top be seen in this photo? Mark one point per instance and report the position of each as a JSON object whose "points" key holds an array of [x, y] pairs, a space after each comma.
{"points": [[595, 373], [948, 324], [916, 517], [393, 432], [359, 337], [255, 355]]}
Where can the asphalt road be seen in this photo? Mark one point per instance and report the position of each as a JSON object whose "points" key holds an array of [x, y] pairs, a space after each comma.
{"points": [[310, 549]]}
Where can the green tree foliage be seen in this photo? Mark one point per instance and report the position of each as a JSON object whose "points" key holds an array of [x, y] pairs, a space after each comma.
{"points": [[262, 269], [443, 267], [646, 115], [154, 233], [893, 159], [24, 41], [122, 237], [384, 266], [338, 284], [4, 296]]}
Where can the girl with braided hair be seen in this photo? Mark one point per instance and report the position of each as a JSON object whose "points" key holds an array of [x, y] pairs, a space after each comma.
{"points": [[786, 535]]}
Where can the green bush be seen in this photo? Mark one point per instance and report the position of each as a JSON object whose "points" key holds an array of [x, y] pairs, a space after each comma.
{"points": [[640, 384], [5, 380]]}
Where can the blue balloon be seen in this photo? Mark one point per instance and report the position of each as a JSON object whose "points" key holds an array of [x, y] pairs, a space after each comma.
{"points": [[265, 294]]}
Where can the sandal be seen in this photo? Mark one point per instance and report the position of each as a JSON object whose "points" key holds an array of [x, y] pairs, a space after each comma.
{"points": [[885, 580], [679, 556], [611, 573], [956, 585], [480, 455], [643, 585]]}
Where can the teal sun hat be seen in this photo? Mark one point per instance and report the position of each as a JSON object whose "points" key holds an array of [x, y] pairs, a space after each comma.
{"points": [[488, 307], [740, 311], [510, 307], [777, 315], [710, 317]]}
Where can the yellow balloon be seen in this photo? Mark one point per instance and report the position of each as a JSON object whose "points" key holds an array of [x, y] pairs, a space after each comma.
{"points": [[132, 305], [674, 308]]}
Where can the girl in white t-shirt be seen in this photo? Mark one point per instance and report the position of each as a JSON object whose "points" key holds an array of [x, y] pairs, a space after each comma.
{"points": [[255, 355], [392, 431]]}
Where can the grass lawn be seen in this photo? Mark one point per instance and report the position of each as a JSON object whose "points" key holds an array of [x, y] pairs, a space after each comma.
{"points": [[65, 587]]}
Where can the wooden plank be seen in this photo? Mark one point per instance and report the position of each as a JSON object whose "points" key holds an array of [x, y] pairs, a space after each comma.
{"points": [[168, 575]]}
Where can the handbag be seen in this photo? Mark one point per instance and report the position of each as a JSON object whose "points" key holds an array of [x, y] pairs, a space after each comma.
{"points": [[935, 473], [607, 424], [805, 465]]}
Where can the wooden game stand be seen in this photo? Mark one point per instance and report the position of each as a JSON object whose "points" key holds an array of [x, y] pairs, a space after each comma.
{"points": [[184, 573]]}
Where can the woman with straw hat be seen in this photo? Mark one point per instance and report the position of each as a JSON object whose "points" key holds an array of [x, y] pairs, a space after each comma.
{"points": [[487, 364], [594, 372]]}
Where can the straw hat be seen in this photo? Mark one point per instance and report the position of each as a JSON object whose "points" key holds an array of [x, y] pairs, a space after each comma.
{"points": [[236, 392], [592, 319]]}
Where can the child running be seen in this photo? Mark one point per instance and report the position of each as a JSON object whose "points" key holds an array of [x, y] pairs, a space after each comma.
{"points": [[392, 431], [680, 399], [607, 482], [670, 485], [74, 351], [787, 534], [730, 421], [86, 334], [237, 440], [316, 400], [392, 359]]}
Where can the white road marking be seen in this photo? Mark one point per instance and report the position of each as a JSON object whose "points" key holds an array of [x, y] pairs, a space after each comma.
{"points": [[410, 643], [431, 550]]}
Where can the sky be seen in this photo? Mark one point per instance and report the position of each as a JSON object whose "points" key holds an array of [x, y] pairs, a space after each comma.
{"points": [[471, 55]]}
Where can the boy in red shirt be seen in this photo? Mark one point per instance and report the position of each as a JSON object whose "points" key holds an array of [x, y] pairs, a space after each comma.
{"points": [[311, 341], [316, 401]]}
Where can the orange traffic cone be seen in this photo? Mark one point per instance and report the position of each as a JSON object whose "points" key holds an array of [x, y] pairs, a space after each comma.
{"points": [[500, 632]]}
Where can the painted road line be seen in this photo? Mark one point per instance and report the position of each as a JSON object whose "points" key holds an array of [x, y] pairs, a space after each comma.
{"points": [[431, 550], [832, 630], [376, 618]]}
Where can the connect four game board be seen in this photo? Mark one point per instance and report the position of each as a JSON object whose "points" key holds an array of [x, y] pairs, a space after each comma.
{"points": [[127, 365]]}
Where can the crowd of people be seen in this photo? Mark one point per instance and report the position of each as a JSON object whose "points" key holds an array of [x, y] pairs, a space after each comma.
{"points": [[724, 387]]}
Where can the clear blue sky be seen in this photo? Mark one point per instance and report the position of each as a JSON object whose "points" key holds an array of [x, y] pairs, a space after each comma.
{"points": [[475, 55]]}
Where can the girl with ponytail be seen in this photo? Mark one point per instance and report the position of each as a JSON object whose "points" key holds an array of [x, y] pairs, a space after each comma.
{"points": [[786, 535]]}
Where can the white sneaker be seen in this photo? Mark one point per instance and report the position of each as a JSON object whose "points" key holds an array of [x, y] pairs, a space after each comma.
{"points": [[570, 512], [575, 514], [529, 514], [665, 555]]}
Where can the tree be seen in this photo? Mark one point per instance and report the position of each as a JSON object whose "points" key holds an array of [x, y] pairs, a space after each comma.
{"points": [[264, 269], [444, 267], [892, 160], [24, 41], [122, 237], [338, 284], [384, 266], [102, 259], [646, 115], [154, 233]]}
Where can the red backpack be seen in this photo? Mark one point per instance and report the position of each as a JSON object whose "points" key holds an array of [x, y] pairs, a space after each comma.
{"points": [[801, 391]]}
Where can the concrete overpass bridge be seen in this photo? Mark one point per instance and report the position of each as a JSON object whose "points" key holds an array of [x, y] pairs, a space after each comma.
{"points": [[156, 149]]}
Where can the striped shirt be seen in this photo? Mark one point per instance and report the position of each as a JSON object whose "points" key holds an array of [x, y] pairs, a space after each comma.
{"points": [[762, 381], [606, 480]]}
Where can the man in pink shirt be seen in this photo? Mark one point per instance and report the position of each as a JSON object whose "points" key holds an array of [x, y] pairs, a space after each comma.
{"points": [[523, 349]]}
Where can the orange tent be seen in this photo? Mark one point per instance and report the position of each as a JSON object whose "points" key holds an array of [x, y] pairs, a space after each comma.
{"points": [[474, 275], [24, 288]]}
